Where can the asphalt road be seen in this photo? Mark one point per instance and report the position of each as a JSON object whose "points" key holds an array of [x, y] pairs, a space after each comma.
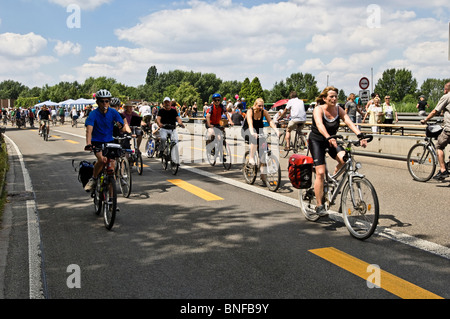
{"points": [[170, 243]]}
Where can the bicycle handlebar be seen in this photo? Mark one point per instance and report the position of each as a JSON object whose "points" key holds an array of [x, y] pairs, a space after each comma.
{"points": [[367, 137]]}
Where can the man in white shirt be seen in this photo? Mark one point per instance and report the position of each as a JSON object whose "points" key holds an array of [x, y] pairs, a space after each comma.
{"points": [[146, 112], [298, 116]]}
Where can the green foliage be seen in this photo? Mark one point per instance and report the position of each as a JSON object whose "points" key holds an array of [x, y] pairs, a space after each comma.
{"points": [[190, 87], [397, 84]]}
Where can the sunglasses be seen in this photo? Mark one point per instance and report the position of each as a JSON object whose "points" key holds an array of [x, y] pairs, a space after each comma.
{"points": [[216, 100], [103, 101]]}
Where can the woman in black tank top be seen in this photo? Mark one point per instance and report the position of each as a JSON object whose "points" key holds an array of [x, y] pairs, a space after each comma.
{"points": [[254, 125], [326, 120]]}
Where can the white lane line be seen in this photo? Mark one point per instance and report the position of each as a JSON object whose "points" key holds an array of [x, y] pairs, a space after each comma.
{"points": [[415, 242], [34, 235]]}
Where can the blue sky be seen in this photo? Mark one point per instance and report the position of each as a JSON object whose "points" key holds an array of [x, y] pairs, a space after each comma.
{"points": [[336, 40]]}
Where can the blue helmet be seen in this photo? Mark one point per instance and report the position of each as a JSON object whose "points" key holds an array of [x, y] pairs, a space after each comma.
{"points": [[216, 95]]}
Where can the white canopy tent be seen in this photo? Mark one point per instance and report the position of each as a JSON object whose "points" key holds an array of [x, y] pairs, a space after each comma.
{"points": [[48, 103]]}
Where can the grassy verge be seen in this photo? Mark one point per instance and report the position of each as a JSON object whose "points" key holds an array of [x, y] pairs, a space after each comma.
{"points": [[3, 171]]}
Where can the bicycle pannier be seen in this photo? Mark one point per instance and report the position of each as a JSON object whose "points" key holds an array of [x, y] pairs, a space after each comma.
{"points": [[433, 130], [300, 170], [85, 171]]}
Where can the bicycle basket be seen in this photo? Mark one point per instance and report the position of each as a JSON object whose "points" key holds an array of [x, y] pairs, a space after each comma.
{"points": [[433, 130], [112, 150]]}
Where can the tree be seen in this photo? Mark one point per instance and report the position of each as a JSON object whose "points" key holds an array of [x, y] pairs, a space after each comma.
{"points": [[279, 91], [11, 89], [245, 89], [342, 97], [304, 84], [397, 84], [256, 91], [187, 94], [152, 75], [432, 89]]}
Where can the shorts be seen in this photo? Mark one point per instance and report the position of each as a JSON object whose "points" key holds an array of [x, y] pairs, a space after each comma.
{"points": [[443, 140], [295, 125], [318, 150]]}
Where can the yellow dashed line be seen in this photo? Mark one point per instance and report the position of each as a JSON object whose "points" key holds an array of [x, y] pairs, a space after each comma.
{"points": [[197, 191]]}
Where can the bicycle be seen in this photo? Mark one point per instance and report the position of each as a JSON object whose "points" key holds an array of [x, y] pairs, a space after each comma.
{"points": [[152, 145], [268, 160], [123, 170], [299, 144], [170, 152], [44, 131], [135, 157], [74, 121], [422, 158], [214, 150], [359, 201], [105, 192]]}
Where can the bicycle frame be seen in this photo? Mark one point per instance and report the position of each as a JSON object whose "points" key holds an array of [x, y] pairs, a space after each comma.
{"points": [[350, 169]]}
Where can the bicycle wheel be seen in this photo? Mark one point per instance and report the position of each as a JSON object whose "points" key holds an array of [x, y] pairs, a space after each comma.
{"points": [[248, 169], [165, 157], [110, 203], [226, 156], [284, 147], [98, 196], [308, 204], [211, 153], [273, 173], [360, 208], [124, 176], [421, 162], [139, 163], [150, 147], [301, 143], [174, 159]]}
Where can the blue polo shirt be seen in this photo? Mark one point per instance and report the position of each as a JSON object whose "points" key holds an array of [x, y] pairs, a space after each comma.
{"points": [[103, 124]]}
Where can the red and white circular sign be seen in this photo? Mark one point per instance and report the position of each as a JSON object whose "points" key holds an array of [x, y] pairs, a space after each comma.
{"points": [[364, 83]]}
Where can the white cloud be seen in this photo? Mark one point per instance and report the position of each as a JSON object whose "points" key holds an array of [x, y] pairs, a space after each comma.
{"points": [[18, 45], [83, 4], [67, 48], [272, 41]]}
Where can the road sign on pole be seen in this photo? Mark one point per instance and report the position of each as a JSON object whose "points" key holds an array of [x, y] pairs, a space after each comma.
{"points": [[364, 96], [364, 83]]}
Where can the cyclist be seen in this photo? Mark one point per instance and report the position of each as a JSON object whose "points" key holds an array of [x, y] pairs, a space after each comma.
{"points": [[298, 116], [99, 131], [213, 117], [444, 137], [167, 116], [253, 125], [129, 113], [44, 117], [325, 123], [146, 112], [115, 103]]}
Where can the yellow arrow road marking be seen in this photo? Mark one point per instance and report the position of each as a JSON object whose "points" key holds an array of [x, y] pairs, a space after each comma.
{"points": [[72, 142], [388, 282], [197, 191]]}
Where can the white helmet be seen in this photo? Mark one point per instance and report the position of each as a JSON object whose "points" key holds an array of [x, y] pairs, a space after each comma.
{"points": [[103, 94]]}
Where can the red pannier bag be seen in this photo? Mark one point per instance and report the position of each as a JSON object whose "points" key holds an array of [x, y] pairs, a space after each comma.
{"points": [[300, 170]]}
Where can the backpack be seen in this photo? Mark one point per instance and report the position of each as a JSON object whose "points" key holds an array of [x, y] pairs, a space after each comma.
{"points": [[300, 170], [85, 171]]}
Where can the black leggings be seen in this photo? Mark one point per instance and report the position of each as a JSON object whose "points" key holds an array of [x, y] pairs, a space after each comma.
{"points": [[319, 148]]}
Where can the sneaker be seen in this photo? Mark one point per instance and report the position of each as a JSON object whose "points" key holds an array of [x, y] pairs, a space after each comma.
{"points": [[321, 211], [90, 186], [441, 175]]}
